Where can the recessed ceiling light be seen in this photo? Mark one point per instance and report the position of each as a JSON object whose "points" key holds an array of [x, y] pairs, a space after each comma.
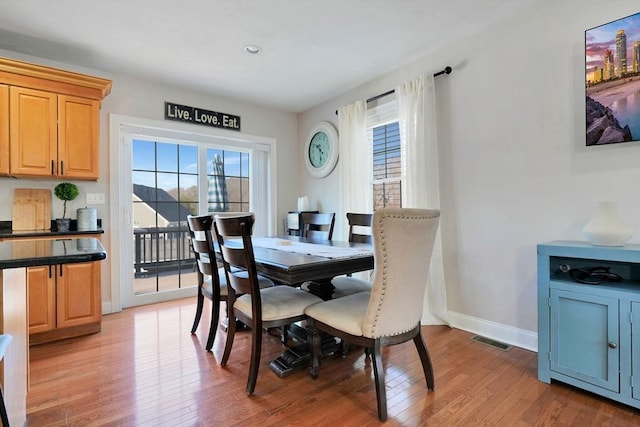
{"points": [[253, 49]]}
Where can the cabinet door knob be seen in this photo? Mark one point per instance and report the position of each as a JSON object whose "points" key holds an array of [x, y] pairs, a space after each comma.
{"points": [[613, 345]]}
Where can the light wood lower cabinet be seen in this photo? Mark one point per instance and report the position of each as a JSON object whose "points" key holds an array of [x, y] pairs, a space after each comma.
{"points": [[64, 301], [42, 298]]}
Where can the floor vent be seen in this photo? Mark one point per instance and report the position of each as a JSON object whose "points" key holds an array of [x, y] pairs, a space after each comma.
{"points": [[493, 343]]}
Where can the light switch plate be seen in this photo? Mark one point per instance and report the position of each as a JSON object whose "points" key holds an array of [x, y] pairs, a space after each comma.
{"points": [[95, 198]]}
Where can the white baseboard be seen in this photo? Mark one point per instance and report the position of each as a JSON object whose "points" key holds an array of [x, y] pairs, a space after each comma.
{"points": [[106, 307], [496, 331]]}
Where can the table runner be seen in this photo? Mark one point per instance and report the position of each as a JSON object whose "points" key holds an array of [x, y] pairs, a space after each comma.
{"points": [[308, 248]]}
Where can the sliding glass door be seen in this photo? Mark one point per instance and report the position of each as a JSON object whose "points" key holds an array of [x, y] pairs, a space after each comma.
{"points": [[166, 183], [162, 179]]}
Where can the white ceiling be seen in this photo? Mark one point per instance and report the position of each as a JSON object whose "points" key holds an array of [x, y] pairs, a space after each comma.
{"points": [[313, 50]]}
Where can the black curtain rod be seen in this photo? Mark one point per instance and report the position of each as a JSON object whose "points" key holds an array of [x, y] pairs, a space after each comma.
{"points": [[447, 70]]}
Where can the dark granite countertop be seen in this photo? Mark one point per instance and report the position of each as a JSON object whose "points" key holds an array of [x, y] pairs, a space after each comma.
{"points": [[29, 253], [6, 231]]}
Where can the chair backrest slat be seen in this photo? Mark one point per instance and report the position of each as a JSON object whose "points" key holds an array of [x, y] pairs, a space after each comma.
{"points": [[358, 222], [318, 225], [403, 242], [200, 228]]}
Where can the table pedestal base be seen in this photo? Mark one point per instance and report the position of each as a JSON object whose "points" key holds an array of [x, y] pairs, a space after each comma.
{"points": [[321, 288], [297, 358]]}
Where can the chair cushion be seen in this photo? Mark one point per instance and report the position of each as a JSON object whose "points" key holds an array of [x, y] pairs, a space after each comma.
{"points": [[279, 302], [346, 313], [223, 284], [5, 339], [349, 285]]}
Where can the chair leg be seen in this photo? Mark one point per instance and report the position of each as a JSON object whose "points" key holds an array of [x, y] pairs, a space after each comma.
{"points": [[231, 332], [256, 350], [427, 367], [3, 411], [314, 340], [378, 374], [213, 327], [199, 307], [223, 325], [344, 347]]}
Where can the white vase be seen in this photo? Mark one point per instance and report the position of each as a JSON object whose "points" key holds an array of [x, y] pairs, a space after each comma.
{"points": [[303, 203], [607, 228]]}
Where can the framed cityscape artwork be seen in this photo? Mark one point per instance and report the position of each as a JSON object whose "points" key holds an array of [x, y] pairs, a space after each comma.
{"points": [[612, 81]]}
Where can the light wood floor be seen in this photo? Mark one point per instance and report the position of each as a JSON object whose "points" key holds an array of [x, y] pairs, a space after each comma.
{"points": [[165, 282], [145, 369]]}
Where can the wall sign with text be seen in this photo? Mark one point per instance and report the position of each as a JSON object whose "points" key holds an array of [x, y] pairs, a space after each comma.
{"points": [[199, 116]]}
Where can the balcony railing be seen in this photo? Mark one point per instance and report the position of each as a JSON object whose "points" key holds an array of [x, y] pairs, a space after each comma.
{"points": [[159, 249]]}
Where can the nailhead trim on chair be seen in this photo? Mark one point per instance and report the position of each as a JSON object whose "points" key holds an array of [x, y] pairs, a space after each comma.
{"points": [[384, 263]]}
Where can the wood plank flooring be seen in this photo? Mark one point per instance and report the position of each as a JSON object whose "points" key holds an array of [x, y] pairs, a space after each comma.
{"points": [[146, 369]]}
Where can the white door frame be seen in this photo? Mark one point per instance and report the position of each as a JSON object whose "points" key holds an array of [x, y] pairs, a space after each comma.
{"points": [[120, 184]]}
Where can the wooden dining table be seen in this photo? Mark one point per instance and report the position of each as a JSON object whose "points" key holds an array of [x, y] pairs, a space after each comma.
{"points": [[293, 260]]}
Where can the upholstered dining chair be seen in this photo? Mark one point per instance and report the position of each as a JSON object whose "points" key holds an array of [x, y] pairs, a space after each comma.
{"points": [[390, 314], [347, 285], [259, 308], [318, 225], [212, 282]]}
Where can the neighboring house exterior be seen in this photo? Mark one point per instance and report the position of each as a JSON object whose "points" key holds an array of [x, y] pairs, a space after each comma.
{"points": [[156, 208]]}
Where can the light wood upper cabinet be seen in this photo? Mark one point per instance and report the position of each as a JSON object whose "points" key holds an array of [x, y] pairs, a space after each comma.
{"points": [[34, 129], [51, 127], [4, 130], [53, 135], [78, 137]]}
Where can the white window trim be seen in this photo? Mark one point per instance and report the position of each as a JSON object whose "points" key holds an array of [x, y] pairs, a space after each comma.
{"points": [[380, 115], [120, 126]]}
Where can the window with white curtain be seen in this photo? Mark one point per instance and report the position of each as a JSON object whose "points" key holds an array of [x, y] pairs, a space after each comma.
{"points": [[387, 167]]}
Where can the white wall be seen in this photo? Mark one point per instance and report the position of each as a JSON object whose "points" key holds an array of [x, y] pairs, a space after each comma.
{"points": [[145, 99], [514, 167]]}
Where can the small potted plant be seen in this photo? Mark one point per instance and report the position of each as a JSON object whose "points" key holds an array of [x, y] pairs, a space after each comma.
{"points": [[65, 191]]}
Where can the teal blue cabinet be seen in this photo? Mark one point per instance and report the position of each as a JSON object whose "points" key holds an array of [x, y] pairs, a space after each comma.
{"points": [[589, 334], [635, 348]]}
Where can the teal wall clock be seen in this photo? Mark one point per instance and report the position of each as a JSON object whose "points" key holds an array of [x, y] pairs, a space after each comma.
{"points": [[321, 150]]}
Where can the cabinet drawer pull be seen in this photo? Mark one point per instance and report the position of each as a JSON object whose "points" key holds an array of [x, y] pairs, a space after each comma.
{"points": [[61, 167], [52, 173], [613, 345]]}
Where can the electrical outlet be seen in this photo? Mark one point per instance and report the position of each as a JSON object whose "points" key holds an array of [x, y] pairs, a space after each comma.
{"points": [[95, 198]]}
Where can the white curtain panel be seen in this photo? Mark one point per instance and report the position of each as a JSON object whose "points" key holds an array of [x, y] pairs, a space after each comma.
{"points": [[416, 113], [356, 163], [355, 159]]}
